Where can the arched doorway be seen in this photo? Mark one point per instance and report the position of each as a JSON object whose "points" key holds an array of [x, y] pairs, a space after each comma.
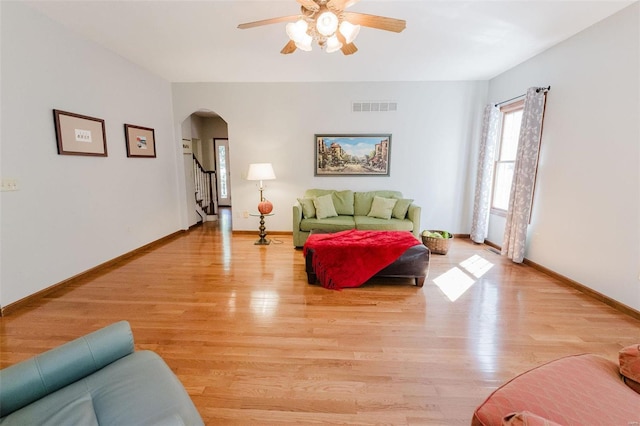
{"points": [[206, 160]]}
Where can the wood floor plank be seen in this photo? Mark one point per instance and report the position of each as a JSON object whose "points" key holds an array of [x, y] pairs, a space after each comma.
{"points": [[253, 343]]}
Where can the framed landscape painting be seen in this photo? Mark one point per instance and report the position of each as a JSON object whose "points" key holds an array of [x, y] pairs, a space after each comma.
{"points": [[352, 155]]}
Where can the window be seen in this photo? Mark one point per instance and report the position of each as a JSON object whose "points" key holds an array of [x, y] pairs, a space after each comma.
{"points": [[222, 170], [506, 156]]}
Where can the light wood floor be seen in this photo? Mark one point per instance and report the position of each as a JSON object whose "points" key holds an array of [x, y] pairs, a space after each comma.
{"points": [[253, 343]]}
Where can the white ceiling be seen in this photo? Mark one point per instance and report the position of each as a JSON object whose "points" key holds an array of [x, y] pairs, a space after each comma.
{"points": [[197, 41]]}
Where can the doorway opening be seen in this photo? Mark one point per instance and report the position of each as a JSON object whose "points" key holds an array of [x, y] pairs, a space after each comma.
{"points": [[207, 166]]}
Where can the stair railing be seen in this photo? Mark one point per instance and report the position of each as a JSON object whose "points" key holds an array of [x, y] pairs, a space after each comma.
{"points": [[204, 185]]}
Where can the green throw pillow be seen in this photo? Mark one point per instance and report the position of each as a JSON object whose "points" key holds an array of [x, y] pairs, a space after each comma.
{"points": [[308, 209], [343, 202], [324, 206], [382, 207], [401, 208]]}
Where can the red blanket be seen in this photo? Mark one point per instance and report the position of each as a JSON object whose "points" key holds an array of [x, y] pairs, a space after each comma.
{"points": [[350, 258]]}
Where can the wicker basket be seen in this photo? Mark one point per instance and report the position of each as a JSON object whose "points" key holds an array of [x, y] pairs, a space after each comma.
{"points": [[437, 245]]}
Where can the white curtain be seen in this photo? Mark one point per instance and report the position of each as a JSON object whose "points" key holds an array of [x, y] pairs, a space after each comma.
{"points": [[524, 175], [482, 200]]}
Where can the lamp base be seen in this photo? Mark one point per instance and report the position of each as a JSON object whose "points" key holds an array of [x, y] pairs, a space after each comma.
{"points": [[262, 242], [263, 233]]}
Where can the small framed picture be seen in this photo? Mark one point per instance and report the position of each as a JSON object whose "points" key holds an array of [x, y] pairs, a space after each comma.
{"points": [[141, 141], [352, 155], [79, 134]]}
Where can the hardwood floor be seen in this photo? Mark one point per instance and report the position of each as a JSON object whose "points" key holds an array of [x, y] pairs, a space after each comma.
{"points": [[253, 343]]}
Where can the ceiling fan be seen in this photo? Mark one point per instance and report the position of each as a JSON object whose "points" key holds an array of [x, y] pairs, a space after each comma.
{"points": [[327, 23]]}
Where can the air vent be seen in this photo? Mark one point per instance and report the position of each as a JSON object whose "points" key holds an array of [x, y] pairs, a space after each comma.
{"points": [[374, 106]]}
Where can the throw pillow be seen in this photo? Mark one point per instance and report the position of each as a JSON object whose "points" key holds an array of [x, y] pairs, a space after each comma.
{"points": [[629, 358], [324, 206], [308, 209], [401, 208], [525, 418], [382, 207], [343, 202]]}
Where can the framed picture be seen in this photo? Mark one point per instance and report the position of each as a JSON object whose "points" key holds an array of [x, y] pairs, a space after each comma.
{"points": [[352, 155], [79, 135], [141, 141]]}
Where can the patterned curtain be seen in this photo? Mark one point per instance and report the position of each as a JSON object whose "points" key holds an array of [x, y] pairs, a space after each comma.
{"points": [[524, 175], [481, 201]]}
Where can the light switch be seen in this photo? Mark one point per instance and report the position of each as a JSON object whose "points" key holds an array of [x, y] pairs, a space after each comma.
{"points": [[9, 185]]}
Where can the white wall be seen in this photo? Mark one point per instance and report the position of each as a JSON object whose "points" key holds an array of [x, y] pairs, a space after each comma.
{"points": [[586, 215], [190, 130], [72, 213], [432, 153]]}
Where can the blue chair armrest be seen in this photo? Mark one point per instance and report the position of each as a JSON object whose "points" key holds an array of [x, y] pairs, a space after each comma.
{"points": [[32, 379]]}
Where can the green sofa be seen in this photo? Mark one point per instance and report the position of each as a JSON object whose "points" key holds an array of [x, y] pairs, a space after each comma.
{"points": [[354, 211], [97, 379]]}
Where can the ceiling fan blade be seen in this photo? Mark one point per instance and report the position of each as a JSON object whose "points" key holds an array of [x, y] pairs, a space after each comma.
{"points": [[309, 4], [377, 22], [269, 21], [340, 4], [289, 48], [347, 49]]}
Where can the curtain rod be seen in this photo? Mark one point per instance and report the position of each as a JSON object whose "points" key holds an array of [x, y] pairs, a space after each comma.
{"points": [[546, 89]]}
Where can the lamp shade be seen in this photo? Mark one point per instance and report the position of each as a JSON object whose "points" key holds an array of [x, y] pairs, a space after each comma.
{"points": [[327, 23], [333, 44], [260, 171], [296, 31], [349, 31], [304, 43]]}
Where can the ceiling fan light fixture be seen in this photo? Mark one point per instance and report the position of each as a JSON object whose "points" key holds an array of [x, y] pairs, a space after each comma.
{"points": [[304, 43], [297, 30], [333, 44], [327, 23], [349, 31], [324, 22]]}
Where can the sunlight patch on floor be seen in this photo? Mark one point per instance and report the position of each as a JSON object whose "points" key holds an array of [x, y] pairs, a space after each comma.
{"points": [[455, 282], [476, 265]]}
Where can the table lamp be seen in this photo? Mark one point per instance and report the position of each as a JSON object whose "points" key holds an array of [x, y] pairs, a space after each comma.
{"points": [[262, 171]]}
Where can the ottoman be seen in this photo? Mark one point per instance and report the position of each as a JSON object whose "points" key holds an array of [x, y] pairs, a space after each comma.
{"points": [[413, 263]]}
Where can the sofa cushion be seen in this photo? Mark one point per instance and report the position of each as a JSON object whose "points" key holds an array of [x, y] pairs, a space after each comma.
{"points": [[343, 202], [324, 206], [366, 223], [138, 389], [362, 200], [313, 193], [382, 207], [71, 405], [629, 359], [580, 389], [308, 209], [401, 208], [78, 412], [331, 224]]}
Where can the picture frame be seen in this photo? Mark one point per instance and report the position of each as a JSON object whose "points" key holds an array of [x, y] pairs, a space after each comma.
{"points": [[79, 134], [141, 141], [352, 155]]}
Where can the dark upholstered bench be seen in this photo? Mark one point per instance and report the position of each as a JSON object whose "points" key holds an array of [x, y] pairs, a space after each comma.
{"points": [[413, 263]]}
